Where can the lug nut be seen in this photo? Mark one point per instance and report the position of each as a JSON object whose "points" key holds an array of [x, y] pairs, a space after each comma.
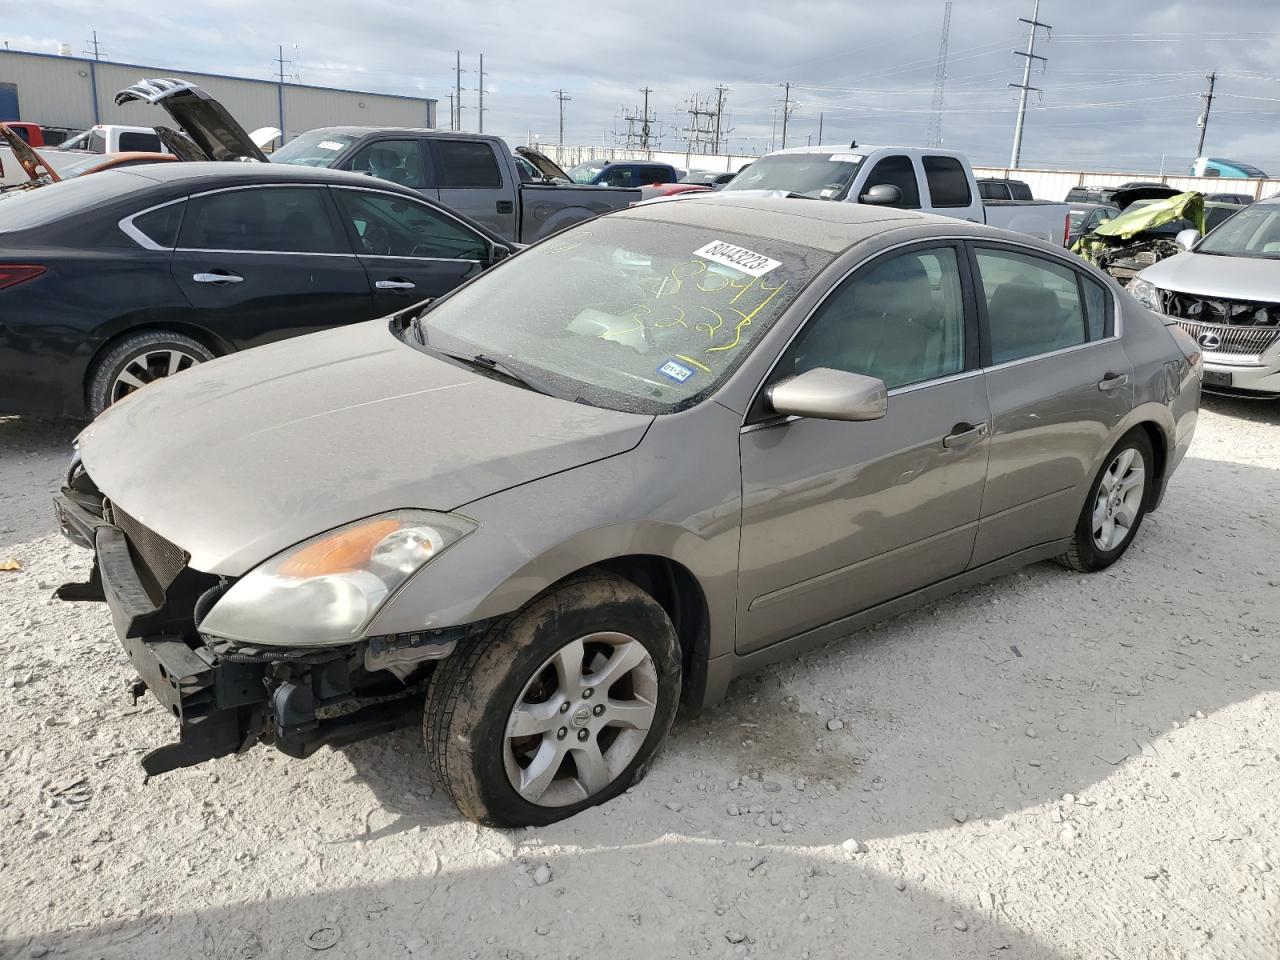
{"points": [[583, 734], [586, 694], [598, 709], [564, 707], [562, 733]]}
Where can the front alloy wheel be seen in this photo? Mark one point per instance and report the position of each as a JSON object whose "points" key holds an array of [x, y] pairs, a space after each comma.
{"points": [[557, 708]]}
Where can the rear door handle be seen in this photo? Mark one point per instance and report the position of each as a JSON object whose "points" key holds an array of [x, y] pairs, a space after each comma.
{"points": [[962, 434], [394, 285], [1113, 381], [217, 276], [506, 206]]}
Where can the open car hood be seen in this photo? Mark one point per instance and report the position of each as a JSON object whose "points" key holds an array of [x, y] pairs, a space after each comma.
{"points": [[206, 122], [247, 455], [1181, 206], [543, 164], [31, 162], [1123, 198]]}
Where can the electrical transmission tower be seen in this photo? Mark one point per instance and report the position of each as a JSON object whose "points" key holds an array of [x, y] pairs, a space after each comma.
{"points": [[1029, 54], [1203, 121], [939, 81], [97, 47], [722, 128], [700, 131]]}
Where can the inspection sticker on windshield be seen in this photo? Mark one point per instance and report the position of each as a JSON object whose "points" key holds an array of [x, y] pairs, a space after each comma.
{"points": [[740, 258], [676, 371], [846, 158], [329, 145]]}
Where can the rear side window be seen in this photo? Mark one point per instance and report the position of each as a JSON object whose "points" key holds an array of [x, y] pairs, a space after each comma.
{"points": [[466, 163], [992, 191], [1033, 305], [897, 172], [948, 184], [160, 226], [144, 142], [1096, 303], [274, 219], [1019, 190]]}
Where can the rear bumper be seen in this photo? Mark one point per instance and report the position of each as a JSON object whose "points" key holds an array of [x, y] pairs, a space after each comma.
{"points": [[224, 702]]}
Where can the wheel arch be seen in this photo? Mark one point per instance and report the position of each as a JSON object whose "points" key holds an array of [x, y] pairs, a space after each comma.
{"points": [[117, 333]]}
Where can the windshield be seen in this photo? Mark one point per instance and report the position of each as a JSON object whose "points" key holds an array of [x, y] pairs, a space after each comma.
{"points": [[1253, 232], [823, 176], [585, 172], [627, 314], [315, 149]]}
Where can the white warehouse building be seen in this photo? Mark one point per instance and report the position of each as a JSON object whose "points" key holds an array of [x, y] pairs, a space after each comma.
{"points": [[75, 92]]}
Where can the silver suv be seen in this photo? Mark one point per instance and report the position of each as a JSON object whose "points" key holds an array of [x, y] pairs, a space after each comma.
{"points": [[1225, 292]]}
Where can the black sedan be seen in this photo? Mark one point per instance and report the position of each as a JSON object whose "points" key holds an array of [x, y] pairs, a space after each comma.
{"points": [[110, 282]]}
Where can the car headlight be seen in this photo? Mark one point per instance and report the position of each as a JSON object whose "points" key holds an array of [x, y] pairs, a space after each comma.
{"points": [[325, 590], [1146, 293]]}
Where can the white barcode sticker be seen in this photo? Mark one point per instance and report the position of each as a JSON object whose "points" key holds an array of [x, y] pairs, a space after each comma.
{"points": [[329, 145], [846, 158], [740, 258]]}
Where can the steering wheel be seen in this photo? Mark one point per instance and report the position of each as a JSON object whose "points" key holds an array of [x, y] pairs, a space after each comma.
{"points": [[376, 240]]}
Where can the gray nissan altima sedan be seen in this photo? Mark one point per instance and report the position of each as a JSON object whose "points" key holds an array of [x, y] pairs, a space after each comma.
{"points": [[634, 461]]}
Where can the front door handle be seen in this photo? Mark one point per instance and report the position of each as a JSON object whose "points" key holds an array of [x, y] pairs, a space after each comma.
{"points": [[963, 434], [394, 285], [506, 206], [1113, 381], [217, 276]]}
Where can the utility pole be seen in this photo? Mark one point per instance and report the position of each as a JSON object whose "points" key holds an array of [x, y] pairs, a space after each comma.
{"points": [[700, 132], [939, 81], [721, 90], [481, 89], [820, 116], [280, 76], [452, 114], [786, 110], [96, 51], [457, 86], [645, 128], [563, 97], [1029, 54], [1203, 122], [640, 125]]}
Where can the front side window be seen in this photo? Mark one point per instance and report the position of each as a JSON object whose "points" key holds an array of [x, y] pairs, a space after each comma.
{"points": [[621, 176], [388, 226], [948, 183], [399, 161], [1033, 305], [467, 163], [900, 319], [897, 172], [629, 314], [275, 219]]}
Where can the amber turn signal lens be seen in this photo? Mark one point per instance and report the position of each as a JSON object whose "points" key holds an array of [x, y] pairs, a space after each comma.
{"points": [[347, 550]]}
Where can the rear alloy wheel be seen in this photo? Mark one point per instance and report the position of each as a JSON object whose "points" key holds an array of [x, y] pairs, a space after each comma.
{"points": [[1115, 507], [558, 708], [140, 360]]}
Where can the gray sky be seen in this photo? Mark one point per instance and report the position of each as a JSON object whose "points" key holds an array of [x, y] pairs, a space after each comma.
{"points": [[1120, 87]]}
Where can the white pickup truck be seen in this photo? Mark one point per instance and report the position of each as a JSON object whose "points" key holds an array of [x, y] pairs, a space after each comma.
{"points": [[102, 138], [928, 180]]}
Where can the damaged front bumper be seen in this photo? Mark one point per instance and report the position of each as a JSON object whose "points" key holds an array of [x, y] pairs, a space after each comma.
{"points": [[227, 698]]}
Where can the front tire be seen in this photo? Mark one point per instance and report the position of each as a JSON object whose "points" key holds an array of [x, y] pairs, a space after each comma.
{"points": [[141, 359], [1116, 505], [558, 708]]}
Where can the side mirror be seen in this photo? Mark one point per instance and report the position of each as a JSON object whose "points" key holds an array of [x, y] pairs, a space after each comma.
{"points": [[1187, 239], [499, 253], [826, 394], [882, 195]]}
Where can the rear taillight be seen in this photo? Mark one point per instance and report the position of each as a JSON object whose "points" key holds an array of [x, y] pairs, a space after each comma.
{"points": [[15, 273]]}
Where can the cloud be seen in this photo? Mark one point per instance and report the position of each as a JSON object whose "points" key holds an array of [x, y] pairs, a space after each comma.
{"points": [[1120, 89]]}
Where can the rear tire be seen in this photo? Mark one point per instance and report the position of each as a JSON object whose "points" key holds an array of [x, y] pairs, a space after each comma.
{"points": [[1117, 503], [138, 360], [557, 708]]}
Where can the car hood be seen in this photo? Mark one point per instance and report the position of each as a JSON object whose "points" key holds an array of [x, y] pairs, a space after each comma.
{"points": [[206, 121], [247, 455], [1182, 206], [544, 164], [1207, 275]]}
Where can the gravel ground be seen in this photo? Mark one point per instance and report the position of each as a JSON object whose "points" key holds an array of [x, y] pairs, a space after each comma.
{"points": [[1048, 766]]}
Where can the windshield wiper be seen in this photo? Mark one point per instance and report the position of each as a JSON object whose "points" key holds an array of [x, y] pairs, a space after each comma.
{"points": [[483, 362]]}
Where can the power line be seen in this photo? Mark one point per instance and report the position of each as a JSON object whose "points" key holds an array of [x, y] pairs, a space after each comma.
{"points": [[1025, 86], [1203, 121], [563, 97], [939, 81]]}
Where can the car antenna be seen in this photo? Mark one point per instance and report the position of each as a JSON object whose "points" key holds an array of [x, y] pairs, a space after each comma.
{"points": [[853, 144]]}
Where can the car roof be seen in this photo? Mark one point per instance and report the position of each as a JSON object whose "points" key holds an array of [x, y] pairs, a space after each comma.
{"points": [[230, 171], [1091, 205], [866, 149], [821, 224]]}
